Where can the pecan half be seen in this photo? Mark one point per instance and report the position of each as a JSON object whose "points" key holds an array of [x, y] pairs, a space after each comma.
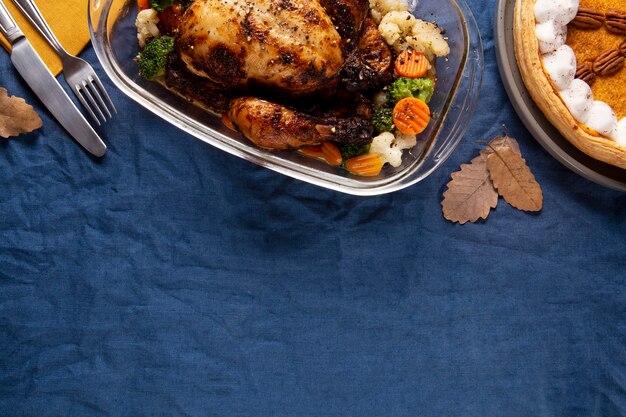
{"points": [[608, 63], [616, 21], [585, 72], [588, 18], [622, 49]]}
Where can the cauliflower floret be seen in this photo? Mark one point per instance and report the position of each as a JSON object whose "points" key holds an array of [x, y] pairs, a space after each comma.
{"points": [[380, 8], [390, 147], [384, 145], [395, 26], [405, 141], [146, 24], [402, 30], [427, 36]]}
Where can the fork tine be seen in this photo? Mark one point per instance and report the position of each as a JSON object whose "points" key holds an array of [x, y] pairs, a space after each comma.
{"points": [[77, 72], [86, 105], [104, 92], [92, 100], [96, 94]]}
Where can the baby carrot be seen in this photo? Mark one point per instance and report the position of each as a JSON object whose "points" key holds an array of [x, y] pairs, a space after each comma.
{"points": [[143, 4], [411, 116], [412, 64], [368, 165], [332, 154], [314, 151]]}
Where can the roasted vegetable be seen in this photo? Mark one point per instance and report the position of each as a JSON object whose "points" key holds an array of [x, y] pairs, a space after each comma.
{"points": [[411, 116], [332, 154], [412, 64], [153, 57], [383, 119], [368, 165], [160, 5], [350, 151], [420, 88], [143, 5]]}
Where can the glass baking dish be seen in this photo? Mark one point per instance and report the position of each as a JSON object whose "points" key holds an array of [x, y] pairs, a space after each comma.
{"points": [[113, 35]]}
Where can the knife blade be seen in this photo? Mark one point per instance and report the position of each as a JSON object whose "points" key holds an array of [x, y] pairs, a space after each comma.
{"points": [[47, 88]]}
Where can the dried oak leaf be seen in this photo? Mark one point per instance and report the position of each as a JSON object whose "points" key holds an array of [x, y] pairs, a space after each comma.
{"points": [[16, 116], [501, 142], [513, 179], [470, 195]]}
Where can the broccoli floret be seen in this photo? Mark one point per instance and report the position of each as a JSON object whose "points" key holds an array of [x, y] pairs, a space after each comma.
{"points": [[350, 151], [153, 58], [383, 119], [421, 88], [161, 5]]}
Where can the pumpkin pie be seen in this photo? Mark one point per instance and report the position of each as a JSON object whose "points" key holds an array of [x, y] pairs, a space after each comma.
{"points": [[572, 56]]}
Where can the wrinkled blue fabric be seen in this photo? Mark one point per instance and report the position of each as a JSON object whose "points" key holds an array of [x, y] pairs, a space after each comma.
{"points": [[172, 279]]}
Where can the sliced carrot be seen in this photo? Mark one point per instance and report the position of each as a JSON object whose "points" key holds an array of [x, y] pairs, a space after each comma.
{"points": [[412, 64], [332, 154], [411, 116], [314, 151], [143, 4], [368, 165]]}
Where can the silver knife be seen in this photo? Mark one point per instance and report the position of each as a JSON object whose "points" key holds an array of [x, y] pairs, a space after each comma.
{"points": [[46, 87]]}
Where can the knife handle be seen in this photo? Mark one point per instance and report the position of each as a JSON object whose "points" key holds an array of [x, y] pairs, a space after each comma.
{"points": [[8, 26], [34, 16]]}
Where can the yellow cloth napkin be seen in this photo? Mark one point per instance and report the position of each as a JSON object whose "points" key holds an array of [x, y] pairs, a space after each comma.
{"points": [[68, 20]]}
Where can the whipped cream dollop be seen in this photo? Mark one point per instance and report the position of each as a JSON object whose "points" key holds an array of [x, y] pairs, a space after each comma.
{"points": [[561, 66], [578, 98], [551, 36], [602, 118], [561, 11], [559, 62]]}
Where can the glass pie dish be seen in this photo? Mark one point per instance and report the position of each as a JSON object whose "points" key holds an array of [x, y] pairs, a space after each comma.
{"points": [[459, 78]]}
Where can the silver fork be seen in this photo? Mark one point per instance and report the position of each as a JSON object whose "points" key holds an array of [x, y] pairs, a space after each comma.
{"points": [[80, 76]]}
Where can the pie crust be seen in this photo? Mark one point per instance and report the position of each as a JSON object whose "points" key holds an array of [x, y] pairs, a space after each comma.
{"points": [[546, 96]]}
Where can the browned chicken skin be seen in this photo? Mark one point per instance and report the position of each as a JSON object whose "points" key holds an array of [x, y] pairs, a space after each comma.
{"points": [[282, 50], [274, 126], [289, 45], [370, 65], [348, 17]]}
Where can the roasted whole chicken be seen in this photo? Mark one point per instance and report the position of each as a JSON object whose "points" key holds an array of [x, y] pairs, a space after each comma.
{"points": [[289, 45], [284, 73]]}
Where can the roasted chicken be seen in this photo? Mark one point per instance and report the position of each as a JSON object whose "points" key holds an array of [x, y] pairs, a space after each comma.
{"points": [[275, 57], [369, 63], [290, 45], [274, 126]]}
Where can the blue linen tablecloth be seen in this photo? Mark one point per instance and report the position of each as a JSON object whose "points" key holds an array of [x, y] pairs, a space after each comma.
{"points": [[172, 279]]}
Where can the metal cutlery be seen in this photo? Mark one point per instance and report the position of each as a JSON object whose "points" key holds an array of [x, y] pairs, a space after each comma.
{"points": [[80, 76], [46, 87]]}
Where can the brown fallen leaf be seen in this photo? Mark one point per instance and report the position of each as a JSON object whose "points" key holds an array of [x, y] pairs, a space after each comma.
{"points": [[470, 195], [513, 179], [16, 117], [499, 142]]}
